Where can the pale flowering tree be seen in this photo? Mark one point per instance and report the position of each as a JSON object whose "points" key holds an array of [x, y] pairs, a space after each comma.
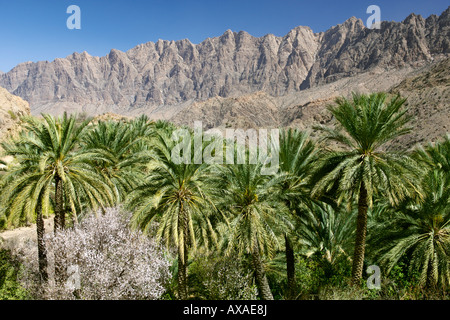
{"points": [[101, 259]]}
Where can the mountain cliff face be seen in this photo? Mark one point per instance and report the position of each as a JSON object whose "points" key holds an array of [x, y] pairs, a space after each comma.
{"points": [[11, 109], [350, 48], [171, 73]]}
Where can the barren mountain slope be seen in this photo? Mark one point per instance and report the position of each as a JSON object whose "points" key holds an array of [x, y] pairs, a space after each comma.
{"points": [[428, 97], [11, 109], [426, 88]]}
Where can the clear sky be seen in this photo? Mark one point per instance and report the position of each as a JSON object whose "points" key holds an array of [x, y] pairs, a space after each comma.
{"points": [[33, 30]]}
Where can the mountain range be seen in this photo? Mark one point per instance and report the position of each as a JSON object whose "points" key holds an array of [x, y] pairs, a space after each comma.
{"points": [[237, 80]]}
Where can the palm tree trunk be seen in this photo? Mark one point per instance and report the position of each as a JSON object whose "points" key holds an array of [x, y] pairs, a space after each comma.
{"points": [[430, 284], [360, 242], [42, 253], [290, 269], [182, 276], [59, 224], [59, 210], [183, 255], [261, 278]]}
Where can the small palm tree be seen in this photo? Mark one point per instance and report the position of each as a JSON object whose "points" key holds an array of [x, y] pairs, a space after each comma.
{"points": [[258, 216], [421, 232], [365, 167], [179, 197], [326, 232]]}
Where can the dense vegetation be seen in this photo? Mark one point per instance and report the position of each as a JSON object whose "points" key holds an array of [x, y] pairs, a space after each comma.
{"points": [[336, 206]]}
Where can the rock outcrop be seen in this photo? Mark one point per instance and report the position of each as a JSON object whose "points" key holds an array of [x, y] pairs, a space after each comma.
{"points": [[12, 108]]}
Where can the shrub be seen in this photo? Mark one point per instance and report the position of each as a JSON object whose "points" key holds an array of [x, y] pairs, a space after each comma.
{"points": [[99, 259], [222, 278], [10, 268]]}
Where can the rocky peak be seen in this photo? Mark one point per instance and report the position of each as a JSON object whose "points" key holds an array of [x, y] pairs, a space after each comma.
{"points": [[414, 19], [352, 24]]}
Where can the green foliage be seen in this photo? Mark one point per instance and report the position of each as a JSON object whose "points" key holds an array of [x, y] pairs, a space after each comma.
{"points": [[256, 212], [10, 288], [123, 154], [421, 232], [171, 190], [12, 115], [365, 125], [46, 152], [326, 232], [218, 277], [228, 224]]}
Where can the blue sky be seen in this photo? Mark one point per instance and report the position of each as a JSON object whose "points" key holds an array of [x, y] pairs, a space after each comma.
{"points": [[33, 30]]}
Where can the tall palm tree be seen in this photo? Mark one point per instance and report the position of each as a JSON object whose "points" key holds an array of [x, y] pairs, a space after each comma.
{"points": [[297, 154], [179, 197], [258, 216], [421, 232], [49, 151], [50, 168], [364, 167]]}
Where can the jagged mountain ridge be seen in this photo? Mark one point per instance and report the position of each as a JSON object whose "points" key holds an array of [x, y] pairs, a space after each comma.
{"points": [[152, 76]]}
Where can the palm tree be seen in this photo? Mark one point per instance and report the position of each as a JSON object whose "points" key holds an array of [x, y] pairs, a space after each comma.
{"points": [[437, 155], [326, 232], [49, 151], [50, 167], [179, 196], [123, 152], [365, 124], [24, 204], [297, 155], [421, 232], [258, 216]]}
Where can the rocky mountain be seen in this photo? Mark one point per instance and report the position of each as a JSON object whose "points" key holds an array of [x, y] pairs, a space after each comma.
{"points": [[164, 78], [428, 100], [427, 90], [11, 109]]}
